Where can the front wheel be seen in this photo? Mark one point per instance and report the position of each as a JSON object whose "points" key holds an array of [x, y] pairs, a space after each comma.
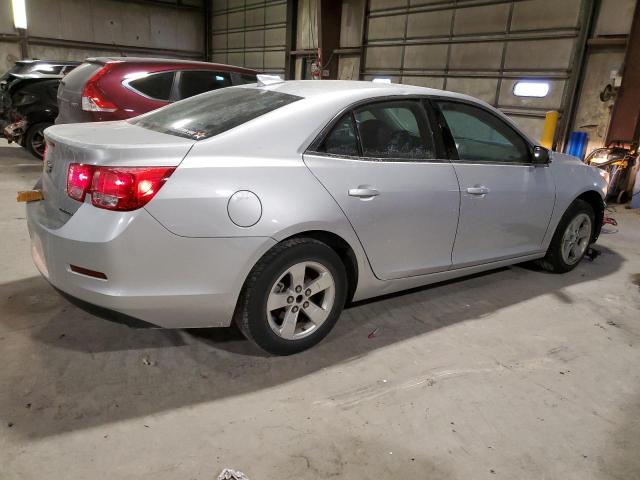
{"points": [[571, 239], [292, 297]]}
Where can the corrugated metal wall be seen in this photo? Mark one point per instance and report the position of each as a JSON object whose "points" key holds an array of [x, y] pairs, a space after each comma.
{"points": [[480, 48], [250, 33]]}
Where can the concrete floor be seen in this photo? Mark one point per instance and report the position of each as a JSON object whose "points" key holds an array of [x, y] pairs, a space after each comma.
{"points": [[515, 374]]}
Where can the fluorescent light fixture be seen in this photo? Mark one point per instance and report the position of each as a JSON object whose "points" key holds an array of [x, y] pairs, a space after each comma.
{"points": [[527, 88], [381, 80], [19, 14]]}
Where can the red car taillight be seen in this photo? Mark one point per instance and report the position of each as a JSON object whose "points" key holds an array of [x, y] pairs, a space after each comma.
{"points": [[116, 188], [93, 97], [79, 180]]}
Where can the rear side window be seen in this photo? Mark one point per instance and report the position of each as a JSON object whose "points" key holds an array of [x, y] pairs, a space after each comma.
{"points": [[197, 82], [243, 78], [155, 85], [342, 139], [214, 112], [395, 130]]}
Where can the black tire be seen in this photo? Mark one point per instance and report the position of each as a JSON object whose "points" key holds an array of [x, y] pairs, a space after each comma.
{"points": [[553, 260], [251, 311], [34, 139]]}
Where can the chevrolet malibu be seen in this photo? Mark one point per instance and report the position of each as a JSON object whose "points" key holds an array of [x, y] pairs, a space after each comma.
{"points": [[271, 205]]}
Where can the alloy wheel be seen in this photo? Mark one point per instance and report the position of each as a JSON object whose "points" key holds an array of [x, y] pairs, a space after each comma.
{"points": [[576, 239], [300, 300]]}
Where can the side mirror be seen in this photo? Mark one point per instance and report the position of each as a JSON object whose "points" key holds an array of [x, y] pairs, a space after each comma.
{"points": [[541, 155]]}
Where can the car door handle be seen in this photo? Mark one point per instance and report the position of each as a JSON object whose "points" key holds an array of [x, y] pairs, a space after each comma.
{"points": [[481, 190], [363, 192]]}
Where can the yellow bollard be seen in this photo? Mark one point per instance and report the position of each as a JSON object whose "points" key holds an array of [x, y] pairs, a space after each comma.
{"points": [[549, 131]]}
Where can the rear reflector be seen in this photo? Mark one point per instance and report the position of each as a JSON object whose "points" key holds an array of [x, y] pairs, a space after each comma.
{"points": [[116, 188], [87, 272]]}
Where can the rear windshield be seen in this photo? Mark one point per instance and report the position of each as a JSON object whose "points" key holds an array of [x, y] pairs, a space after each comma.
{"points": [[211, 113]]}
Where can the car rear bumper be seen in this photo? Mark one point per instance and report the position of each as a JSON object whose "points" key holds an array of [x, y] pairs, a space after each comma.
{"points": [[151, 274]]}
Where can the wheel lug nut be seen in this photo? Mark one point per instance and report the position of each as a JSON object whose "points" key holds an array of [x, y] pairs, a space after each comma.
{"points": [[289, 299], [298, 289], [305, 305], [307, 292], [294, 309]]}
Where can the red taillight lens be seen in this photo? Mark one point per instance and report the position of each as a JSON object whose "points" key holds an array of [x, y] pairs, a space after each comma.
{"points": [[116, 188], [79, 180], [93, 97]]}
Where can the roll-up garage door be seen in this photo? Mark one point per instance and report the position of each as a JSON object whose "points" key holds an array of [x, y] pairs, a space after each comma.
{"points": [[250, 33], [481, 48]]}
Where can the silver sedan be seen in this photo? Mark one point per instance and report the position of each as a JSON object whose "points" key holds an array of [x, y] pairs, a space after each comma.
{"points": [[273, 205]]}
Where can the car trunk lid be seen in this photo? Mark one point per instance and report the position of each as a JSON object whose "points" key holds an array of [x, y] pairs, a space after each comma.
{"points": [[108, 144]]}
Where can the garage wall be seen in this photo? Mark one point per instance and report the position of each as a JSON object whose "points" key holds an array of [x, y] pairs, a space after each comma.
{"points": [[478, 47], [250, 33], [9, 49], [76, 29], [593, 115]]}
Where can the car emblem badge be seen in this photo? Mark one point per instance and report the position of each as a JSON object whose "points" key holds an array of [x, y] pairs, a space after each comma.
{"points": [[48, 165]]}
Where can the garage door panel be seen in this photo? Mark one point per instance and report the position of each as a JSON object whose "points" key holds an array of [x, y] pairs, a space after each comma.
{"points": [[539, 54], [476, 56], [235, 40], [484, 19], [383, 57], [429, 82], [386, 4], [425, 57], [276, 14], [275, 37], [386, 28], [532, 126], [254, 16], [482, 88], [545, 14], [429, 24]]}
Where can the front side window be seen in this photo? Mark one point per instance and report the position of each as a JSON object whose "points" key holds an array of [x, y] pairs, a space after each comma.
{"points": [[154, 85], [395, 130], [481, 136], [200, 81], [214, 112], [342, 139]]}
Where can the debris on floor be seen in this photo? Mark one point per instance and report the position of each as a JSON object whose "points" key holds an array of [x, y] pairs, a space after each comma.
{"points": [[147, 362], [228, 474], [373, 333], [593, 253]]}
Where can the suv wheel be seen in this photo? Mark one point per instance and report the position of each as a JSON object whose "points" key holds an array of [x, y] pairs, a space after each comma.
{"points": [[34, 139]]}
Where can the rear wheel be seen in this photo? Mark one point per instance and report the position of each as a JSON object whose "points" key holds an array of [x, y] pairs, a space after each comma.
{"points": [[571, 239], [34, 139], [292, 297]]}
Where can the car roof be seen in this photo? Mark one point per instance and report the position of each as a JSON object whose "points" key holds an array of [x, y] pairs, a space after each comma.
{"points": [[168, 61], [355, 89]]}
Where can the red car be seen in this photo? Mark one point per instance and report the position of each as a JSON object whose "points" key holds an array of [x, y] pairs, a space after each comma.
{"points": [[115, 88]]}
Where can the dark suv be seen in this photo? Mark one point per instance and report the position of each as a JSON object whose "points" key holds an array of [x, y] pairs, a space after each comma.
{"points": [[116, 88], [28, 100]]}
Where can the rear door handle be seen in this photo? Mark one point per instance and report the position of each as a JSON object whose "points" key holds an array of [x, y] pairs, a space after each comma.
{"points": [[363, 192], [481, 190]]}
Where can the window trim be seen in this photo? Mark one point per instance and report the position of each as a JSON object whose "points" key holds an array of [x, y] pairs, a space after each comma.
{"points": [[126, 84], [312, 149], [446, 133]]}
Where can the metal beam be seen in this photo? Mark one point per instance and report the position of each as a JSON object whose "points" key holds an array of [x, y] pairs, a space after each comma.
{"points": [[625, 118], [329, 14], [292, 30]]}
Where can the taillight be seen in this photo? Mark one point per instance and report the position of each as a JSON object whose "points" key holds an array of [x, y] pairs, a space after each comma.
{"points": [[93, 98], [79, 180], [117, 188]]}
